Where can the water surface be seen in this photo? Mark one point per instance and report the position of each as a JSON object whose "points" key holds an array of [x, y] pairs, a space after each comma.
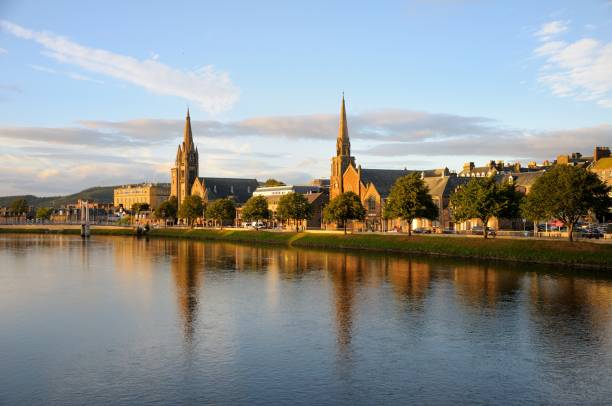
{"points": [[128, 321]]}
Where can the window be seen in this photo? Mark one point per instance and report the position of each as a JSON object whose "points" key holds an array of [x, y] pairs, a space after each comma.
{"points": [[371, 204]]}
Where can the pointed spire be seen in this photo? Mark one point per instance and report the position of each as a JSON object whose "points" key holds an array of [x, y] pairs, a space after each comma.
{"points": [[343, 144], [188, 137]]}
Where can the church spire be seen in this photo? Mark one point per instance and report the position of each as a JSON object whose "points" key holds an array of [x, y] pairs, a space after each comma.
{"points": [[188, 137], [343, 144]]}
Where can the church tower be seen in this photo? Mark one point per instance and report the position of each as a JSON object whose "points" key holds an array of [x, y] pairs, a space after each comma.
{"points": [[186, 166], [343, 157]]}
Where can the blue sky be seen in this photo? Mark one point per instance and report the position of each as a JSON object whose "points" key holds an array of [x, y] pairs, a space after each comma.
{"points": [[97, 94]]}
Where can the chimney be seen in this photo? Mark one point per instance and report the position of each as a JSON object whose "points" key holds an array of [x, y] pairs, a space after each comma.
{"points": [[601, 152], [468, 166]]}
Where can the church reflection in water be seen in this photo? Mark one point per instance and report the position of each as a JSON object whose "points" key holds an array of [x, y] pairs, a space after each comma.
{"points": [[544, 297]]}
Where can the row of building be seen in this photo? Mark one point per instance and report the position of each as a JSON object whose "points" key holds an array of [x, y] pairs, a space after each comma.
{"points": [[371, 185]]}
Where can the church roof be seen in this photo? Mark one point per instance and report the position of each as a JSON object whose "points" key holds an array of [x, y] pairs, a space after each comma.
{"points": [[239, 189], [444, 186], [382, 179]]}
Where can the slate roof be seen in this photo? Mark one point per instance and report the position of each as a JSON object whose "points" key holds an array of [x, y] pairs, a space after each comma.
{"points": [[525, 179], [382, 179], [444, 187], [237, 188]]}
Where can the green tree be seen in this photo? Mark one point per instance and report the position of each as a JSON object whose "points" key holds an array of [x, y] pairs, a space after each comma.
{"points": [[255, 209], [167, 210], [19, 207], [44, 213], [343, 208], [221, 210], [483, 198], [140, 207], [409, 199], [534, 209], [293, 206], [191, 209], [273, 182], [568, 193]]}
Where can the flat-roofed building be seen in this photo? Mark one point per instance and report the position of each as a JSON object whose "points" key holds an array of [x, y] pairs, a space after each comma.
{"points": [[283, 190], [151, 193]]}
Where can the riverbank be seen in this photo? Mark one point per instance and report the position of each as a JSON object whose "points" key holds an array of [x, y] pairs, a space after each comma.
{"points": [[576, 254]]}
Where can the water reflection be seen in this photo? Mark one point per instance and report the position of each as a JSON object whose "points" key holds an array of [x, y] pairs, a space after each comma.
{"points": [[187, 272], [331, 320]]}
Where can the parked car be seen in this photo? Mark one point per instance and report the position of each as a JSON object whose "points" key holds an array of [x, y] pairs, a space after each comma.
{"points": [[478, 231], [448, 230], [421, 230], [591, 233]]}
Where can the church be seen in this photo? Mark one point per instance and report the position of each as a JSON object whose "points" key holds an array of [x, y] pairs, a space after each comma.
{"points": [[373, 186], [186, 180]]}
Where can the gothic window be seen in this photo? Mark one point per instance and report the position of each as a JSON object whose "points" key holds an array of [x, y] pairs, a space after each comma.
{"points": [[371, 204]]}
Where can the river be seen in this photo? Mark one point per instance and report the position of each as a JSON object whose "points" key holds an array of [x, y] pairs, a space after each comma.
{"points": [[120, 320]]}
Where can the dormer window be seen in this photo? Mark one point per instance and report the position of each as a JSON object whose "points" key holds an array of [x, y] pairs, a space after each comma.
{"points": [[232, 189], [215, 188]]}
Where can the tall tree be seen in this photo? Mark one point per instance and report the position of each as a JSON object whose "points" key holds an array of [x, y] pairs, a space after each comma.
{"points": [[44, 213], [568, 193], [255, 209], [293, 206], [534, 209], [221, 210], [168, 209], [483, 198], [19, 207], [409, 199], [343, 208], [273, 182], [140, 207], [191, 209]]}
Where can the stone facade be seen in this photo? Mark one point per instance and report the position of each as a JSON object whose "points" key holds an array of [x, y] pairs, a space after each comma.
{"points": [[152, 194], [343, 158], [186, 167]]}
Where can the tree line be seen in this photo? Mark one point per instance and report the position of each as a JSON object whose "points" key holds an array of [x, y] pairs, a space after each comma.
{"points": [[565, 193]]}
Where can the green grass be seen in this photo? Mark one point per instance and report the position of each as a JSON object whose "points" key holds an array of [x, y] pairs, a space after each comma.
{"points": [[581, 254], [576, 254]]}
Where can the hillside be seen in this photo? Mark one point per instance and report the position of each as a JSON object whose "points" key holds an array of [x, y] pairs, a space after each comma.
{"points": [[100, 194]]}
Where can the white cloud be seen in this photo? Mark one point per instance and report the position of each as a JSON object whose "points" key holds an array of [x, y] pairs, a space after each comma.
{"points": [[44, 160], [209, 88], [3, 51], [580, 69], [551, 29]]}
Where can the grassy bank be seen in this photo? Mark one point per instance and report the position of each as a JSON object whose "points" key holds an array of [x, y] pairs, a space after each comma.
{"points": [[578, 254]]}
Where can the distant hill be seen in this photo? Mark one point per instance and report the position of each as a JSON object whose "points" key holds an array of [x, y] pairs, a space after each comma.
{"points": [[100, 194]]}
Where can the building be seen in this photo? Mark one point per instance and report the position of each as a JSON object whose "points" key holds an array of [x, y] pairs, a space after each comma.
{"points": [[186, 166], [317, 196], [152, 194], [187, 182], [317, 199], [237, 189], [494, 168], [323, 183], [374, 185], [343, 158], [283, 190]]}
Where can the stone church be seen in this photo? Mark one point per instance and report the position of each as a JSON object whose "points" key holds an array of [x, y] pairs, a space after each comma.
{"points": [[373, 185], [186, 180]]}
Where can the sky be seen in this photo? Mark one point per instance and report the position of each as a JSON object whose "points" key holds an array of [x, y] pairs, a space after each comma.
{"points": [[95, 93]]}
